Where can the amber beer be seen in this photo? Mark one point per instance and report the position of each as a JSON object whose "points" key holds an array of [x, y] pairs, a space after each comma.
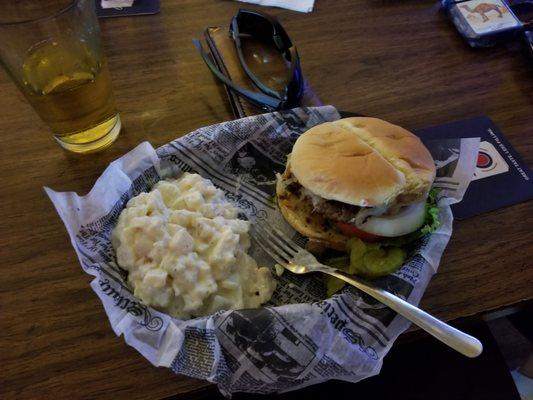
{"points": [[65, 77]]}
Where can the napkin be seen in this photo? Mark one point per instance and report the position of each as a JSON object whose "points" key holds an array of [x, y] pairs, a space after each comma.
{"points": [[295, 5], [116, 3]]}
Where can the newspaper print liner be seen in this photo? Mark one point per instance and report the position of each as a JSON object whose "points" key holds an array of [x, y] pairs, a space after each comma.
{"points": [[301, 337]]}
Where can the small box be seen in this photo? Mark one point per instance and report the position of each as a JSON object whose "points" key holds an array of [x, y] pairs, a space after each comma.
{"points": [[483, 23]]}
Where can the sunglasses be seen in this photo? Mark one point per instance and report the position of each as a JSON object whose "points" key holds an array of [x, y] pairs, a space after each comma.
{"points": [[268, 30]]}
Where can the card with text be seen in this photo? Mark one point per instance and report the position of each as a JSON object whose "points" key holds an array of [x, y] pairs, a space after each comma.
{"points": [[501, 177]]}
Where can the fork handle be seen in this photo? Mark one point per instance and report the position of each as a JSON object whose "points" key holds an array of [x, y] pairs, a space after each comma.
{"points": [[454, 338]]}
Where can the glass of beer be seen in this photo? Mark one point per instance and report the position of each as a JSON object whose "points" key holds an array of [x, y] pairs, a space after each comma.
{"points": [[52, 50]]}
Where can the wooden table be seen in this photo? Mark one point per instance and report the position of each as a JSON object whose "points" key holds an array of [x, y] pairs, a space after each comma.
{"points": [[401, 61]]}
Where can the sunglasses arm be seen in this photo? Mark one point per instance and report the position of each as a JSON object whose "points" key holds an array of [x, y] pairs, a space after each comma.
{"points": [[257, 98]]}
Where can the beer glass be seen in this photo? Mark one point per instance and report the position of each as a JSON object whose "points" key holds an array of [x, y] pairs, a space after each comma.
{"points": [[52, 51]]}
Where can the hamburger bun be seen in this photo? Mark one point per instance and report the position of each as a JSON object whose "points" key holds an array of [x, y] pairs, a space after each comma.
{"points": [[364, 162]]}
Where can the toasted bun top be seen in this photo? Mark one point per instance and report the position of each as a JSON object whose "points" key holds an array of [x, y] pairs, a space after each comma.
{"points": [[363, 161]]}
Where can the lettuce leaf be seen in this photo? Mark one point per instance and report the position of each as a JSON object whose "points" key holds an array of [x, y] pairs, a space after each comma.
{"points": [[432, 221]]}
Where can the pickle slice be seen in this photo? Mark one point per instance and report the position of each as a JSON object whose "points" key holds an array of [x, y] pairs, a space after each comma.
{"points": [[341, 262], [333, 285], [369, 260], [358, 248], [379, 262]]}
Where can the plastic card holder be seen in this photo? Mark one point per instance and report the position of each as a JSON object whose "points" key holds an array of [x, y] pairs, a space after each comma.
{"points": [[483, 23]]}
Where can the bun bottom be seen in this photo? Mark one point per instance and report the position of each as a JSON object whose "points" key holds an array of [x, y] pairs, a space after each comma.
{"points": [[299, 215]]}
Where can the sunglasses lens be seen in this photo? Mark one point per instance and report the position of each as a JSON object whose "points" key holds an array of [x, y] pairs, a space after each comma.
{"points": [[265, 52], [256, 25]]}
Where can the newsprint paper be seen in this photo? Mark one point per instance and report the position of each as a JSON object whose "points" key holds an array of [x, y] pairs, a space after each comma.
{"points": [[300, 337]]}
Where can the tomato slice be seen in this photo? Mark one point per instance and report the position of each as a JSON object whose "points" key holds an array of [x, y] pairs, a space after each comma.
{"points": [[352, 230]]}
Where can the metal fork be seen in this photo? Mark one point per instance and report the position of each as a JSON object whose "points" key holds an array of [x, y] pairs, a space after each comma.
{"points": [[299, 261]]}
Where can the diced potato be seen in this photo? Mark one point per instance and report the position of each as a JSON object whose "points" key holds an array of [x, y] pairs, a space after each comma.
{"points": [[184, 250], [156, 278]]}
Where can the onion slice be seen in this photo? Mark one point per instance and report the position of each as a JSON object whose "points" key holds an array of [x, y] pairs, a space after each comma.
{"points": [[408, 220]]}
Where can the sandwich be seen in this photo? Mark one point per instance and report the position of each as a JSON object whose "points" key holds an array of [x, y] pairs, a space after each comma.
{"points": [[361, 178]]}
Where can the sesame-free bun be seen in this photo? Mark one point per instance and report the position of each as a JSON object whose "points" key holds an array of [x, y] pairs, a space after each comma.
{"points": [[362, 161]]}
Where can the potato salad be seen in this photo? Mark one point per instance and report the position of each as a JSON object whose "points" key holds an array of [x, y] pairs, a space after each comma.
{"points": [[185, 250]]}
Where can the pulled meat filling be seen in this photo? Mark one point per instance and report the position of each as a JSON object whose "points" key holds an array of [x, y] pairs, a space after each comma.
{"points": [[330, 209]]}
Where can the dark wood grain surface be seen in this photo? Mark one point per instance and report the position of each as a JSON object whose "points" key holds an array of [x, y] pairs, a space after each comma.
{"points": [[398, 60]]}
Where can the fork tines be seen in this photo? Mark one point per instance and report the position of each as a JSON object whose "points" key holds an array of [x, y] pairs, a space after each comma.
{"points": [[274, 242]]}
